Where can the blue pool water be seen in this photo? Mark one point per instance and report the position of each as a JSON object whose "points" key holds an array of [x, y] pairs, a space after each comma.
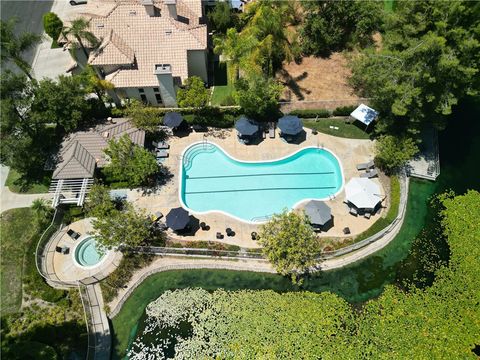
{"points": [[86, 252], [253, 191]]}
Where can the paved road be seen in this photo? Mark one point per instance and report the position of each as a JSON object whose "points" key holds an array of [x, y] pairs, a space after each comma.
{"points": [[29, 14]]}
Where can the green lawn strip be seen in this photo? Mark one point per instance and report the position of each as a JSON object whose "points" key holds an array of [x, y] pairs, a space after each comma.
{"points": [[222, 95], [17, 231], [345, 129], [18, 185]]}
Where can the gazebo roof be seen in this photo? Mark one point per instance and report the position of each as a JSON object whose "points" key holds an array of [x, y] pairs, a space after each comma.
{"points": [[364, 114]]}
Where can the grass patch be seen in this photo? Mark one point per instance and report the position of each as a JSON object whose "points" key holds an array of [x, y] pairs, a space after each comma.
{"points": [[345, 129], [18, 184], [223, 91], [389, 5]]}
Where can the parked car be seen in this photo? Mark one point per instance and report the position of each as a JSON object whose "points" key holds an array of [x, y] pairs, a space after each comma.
{"points": [[77, 2]]}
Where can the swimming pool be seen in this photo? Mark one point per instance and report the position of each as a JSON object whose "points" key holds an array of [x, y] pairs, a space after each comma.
{"points": [[86, 253], [212, 180]]}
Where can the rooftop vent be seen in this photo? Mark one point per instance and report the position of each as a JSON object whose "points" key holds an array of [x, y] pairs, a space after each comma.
{"points": [[163, 69]]}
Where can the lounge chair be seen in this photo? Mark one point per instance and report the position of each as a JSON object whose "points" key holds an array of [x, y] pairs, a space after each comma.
{"points": [[353, 211], [157, 216], [367, 215], [161, 145], [271, 133], [73, 234], [369, 174], [365, 166], [162, 154]]}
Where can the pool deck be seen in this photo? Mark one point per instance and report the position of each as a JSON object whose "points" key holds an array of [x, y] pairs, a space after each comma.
{"points": [[349, 151], [64, 266]]}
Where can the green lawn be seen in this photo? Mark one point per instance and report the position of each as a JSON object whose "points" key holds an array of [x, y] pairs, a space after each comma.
{"points": [[345, 129], [17, 231], [17, 184], [389, 5], [222, 92]]}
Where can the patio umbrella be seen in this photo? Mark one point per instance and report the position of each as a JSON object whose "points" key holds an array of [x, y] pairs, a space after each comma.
{"points": [[172, 120], [290, 125], [178, 218], [245, 126], [318, 212], [363, 193]]}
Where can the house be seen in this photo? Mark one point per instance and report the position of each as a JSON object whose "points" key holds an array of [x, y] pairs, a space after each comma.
{"points": [[81, 153], [148, 48]]}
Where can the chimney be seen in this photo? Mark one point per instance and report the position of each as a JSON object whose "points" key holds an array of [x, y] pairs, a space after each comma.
{"points": [[172, 8], [149, 8], [165, 84]]}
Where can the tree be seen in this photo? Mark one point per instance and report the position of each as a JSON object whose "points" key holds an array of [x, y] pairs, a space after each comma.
{"points": [[143, 117], [78, 29], [129, 162], [99, 203], [429, 60], [335, 25], [222, 17], [127, 228], [52, 25], [93, 83], [194, 94], [62, 102], [290, 244], [392, 152], [12, 47], [258, 97]]}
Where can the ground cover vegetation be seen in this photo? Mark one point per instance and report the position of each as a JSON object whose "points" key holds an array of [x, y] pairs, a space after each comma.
{"points": [[38, 321], [441, 320]]}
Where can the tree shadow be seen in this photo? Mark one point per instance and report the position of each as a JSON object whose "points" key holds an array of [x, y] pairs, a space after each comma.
{"points": [[292, 83]]}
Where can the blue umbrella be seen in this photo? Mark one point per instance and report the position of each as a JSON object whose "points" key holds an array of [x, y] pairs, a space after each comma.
{"points": [[290, 125], [172, 120], [245, 127], [178, 218]]}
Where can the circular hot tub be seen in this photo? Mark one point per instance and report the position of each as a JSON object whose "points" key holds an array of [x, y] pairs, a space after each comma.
{"points": [[87, 254]]}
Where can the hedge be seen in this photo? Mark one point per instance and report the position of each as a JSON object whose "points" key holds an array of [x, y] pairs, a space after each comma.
{"points": [[344, 110], [321, 113]]}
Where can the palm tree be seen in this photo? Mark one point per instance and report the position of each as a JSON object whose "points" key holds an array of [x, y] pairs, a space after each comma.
{"points": [[12, 46], [79, 30]]}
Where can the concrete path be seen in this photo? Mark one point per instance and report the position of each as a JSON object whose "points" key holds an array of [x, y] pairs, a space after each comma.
{"points": [[10, 200]]}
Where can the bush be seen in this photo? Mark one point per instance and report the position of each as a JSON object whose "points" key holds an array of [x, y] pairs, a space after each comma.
{"points": [[393, 152], [321, 113], [122, 275], [52, 25], [344, 110], [194, 94]]}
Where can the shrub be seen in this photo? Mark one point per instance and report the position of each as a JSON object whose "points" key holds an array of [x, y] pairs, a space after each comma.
{"points": [[321, 113], [344, 110], [52, 25], [393, 152], [194, 94]]}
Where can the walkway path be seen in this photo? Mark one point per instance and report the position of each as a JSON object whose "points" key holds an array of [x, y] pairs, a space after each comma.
{"points": [[10, 200]]}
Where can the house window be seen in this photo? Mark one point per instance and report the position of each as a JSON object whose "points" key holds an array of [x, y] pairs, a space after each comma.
{"points": [[141, 91], [156, 90], [144, 98], [159, 98]]}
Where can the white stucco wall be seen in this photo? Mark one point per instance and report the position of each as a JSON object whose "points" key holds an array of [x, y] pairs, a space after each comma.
{"points": [[133, 93], [167, 90], [197, 64]]}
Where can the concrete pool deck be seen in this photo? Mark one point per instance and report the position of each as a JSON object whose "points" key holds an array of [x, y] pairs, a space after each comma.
{"points": [[350, 152]]}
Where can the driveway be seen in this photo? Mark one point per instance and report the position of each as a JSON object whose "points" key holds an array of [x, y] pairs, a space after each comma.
{"points": [[48, 62]]}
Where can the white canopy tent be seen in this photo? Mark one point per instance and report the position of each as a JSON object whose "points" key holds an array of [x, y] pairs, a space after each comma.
{"points": [[364, 114], [363, 193]]}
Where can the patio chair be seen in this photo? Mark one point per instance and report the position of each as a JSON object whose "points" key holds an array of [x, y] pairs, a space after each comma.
{"points": [[365, 166], [353, 211], [162, 145], [65, 250], [73, 234], [346, 230], [271, 133], [230, 232], [58, 249], [254, 235], [157, 216], [369, 174], [219, 235], [162, 154], [367, 215]]}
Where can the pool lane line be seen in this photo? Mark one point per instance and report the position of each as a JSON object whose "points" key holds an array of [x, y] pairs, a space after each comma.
{"points": [[259, 189], [251, 175]]}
